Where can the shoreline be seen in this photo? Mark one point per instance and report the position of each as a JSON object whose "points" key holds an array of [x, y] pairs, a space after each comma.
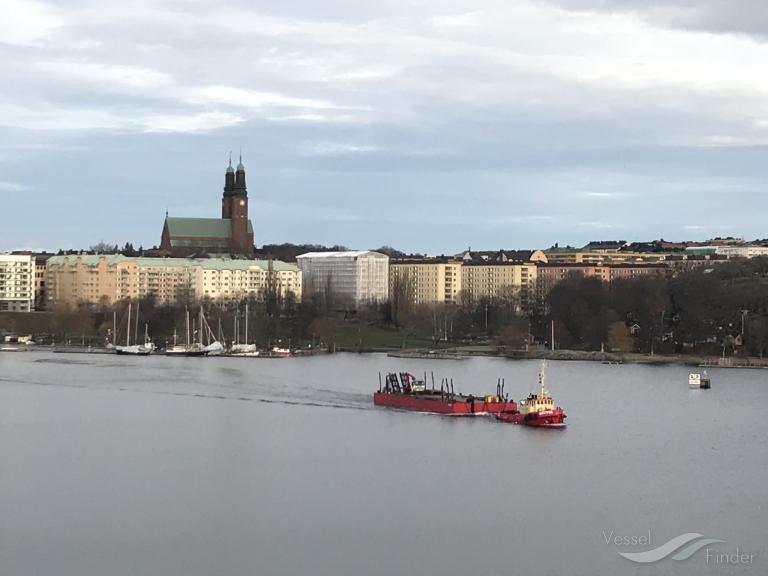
{"points": [[580, 355], [463, 353]]}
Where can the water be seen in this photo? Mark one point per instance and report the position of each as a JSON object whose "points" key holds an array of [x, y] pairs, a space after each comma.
{"points": [[125, 466]]}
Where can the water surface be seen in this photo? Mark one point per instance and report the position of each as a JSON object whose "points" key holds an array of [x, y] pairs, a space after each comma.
{"points": [[123, 466]]}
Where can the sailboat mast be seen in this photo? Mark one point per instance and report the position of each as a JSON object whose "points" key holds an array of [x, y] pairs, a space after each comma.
{"points": [[128, 328], [114, 327], [553, 336], [246, 323], [136, 333], [187, 327]]}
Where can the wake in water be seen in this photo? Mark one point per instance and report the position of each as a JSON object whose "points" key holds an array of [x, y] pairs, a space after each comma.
{"points": [[63, 361], [321, 398]]}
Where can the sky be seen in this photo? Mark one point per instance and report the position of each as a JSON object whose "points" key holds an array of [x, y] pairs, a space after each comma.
{"points": [[428, 125]]}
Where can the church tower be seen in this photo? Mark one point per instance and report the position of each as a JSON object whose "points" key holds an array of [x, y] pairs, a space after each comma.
{"points": [[234, 206], [229, 190]]}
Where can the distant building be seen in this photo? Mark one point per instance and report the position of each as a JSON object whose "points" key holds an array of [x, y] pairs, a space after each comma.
{"points": [[551, 274], [17, 283], [350, 278], [580, 256], [605, 246], [511, 281], [743, 251], [40, 297], [109, 278], [503, 256], [230, 235], [428, 280]]}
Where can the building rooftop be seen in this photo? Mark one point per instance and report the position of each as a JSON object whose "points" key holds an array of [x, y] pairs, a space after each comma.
{"points": [[201, 227], [205, 263], [346, 254]]}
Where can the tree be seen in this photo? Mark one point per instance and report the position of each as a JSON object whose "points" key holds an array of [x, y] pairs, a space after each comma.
{"points": [[515, 334], [619, 337], [401, 298], [389, 251], [325, 330], [757, 335], [102, 247], [66, 320], [579, 306]]}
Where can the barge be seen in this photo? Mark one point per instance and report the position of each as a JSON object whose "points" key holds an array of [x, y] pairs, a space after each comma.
{"points": [[405, 392]]}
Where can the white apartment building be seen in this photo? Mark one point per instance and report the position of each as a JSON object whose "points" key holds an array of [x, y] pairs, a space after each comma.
{"points": [[17, 283], [743, 251], [232, 279], [353, 277]]}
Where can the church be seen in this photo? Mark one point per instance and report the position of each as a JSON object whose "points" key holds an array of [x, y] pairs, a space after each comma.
{"points": [[228, 236]]}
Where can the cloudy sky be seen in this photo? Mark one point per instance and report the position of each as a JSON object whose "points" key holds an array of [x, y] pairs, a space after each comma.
{"points": [[429, 125]]}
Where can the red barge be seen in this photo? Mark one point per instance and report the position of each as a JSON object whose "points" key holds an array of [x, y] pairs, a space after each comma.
{"points": [[537, 410], [405, 392]]}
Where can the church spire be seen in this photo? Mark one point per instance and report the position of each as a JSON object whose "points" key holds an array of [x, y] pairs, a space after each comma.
{"points": [[229, 179], [239, 187]]}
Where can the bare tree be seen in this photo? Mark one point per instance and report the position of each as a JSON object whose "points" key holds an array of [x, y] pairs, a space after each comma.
{"points": [[401, 298]]}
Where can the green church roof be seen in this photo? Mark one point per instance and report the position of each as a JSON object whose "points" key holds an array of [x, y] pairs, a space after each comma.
{"points": [[201, 227]]}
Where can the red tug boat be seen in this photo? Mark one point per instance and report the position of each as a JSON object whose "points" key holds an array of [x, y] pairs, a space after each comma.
{"points": [[537, 410], [405, 392]]}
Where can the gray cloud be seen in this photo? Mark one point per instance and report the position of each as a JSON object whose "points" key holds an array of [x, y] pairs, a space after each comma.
{"points": [[719, 16], [517, 124]]}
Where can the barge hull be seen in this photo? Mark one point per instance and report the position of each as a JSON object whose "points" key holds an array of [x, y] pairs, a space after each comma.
{"points": [[440, 404]]}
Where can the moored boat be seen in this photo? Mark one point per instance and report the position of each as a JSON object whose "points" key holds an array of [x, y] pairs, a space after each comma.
{"points": [[133, 349], [538, 409], [701, 381], [244, 350], [180, 350], [405, 392]]}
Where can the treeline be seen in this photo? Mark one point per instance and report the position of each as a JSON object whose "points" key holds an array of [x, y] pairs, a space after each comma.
{"points": [[105, 248], [718, 310], [288, 252]]}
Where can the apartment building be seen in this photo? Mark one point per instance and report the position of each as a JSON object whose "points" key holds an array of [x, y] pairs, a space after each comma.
{"points": [[351, 277], [109, 278], [577, 256], [428, 280], [552, 273], [17, 283], [515, 281], [729, 251]]}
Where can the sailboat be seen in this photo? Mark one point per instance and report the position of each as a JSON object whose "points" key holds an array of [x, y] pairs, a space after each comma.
{"points": [[244, 349], [213, 346], [133, 349], [198, 347], [188, 349]]}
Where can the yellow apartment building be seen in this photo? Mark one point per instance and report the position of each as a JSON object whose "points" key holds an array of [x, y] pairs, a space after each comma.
{"points": [[109, 278], [513, 280], [429, 280]]}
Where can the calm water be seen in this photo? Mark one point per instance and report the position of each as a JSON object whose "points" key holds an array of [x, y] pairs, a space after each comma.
{"points": [[113, 466]]}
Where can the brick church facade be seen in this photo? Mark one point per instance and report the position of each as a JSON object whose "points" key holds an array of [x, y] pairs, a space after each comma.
{"points": [[230, 235]]}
